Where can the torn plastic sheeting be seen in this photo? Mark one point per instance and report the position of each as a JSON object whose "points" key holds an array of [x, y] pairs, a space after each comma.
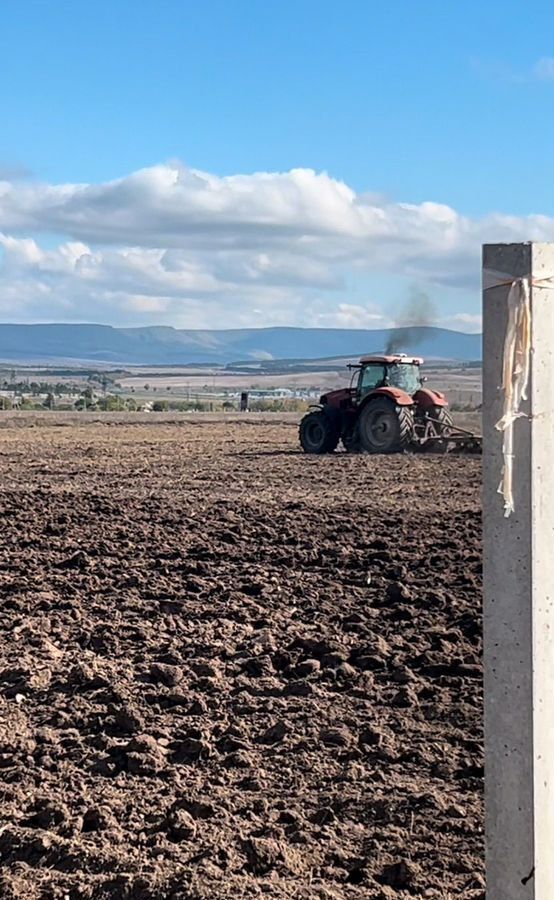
{"points": [[515, 366], [515, 378]]}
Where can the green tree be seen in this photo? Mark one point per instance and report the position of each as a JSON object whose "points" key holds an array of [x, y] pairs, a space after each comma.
{"points": [[86, 400], [110, 403]]}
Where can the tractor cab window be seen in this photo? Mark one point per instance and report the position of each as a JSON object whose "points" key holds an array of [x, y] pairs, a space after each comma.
{"points": [[371, 377], [404, 376]]}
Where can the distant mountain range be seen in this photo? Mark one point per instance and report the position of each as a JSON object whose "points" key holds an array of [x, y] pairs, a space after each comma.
{"points": [[161, 345]]}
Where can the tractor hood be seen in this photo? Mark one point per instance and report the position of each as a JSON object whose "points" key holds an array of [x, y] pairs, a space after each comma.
{"points": [[339, 399]]}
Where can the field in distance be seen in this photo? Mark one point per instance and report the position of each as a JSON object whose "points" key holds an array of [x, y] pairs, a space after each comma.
{"points": [[302, 381]]}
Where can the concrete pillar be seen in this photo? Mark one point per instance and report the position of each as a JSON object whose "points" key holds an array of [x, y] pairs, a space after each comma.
{"points": [[519, 590]]}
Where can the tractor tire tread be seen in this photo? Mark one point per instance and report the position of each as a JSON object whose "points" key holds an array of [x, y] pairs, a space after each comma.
{"points": [[406, 421], [404, 426], [445, 423]]}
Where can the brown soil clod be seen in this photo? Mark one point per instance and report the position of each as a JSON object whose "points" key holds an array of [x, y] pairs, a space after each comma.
{"points": [[202, 694]]}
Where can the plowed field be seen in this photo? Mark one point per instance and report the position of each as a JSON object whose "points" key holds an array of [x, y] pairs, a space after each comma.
{"points": [[229, 670]]}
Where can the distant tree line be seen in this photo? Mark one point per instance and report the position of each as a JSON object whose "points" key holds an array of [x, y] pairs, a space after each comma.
{"points": [[88, 400], [36, 388]]}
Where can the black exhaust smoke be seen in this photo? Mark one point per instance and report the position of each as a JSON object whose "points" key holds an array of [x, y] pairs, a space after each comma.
{"points": [[413, 324]]}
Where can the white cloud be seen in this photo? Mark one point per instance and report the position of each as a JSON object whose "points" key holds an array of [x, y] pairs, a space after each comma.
{"points": [[11, 172], [179, 246], [464, 321], [503, 71], [350, 315], [495, 70], [544, 68]]}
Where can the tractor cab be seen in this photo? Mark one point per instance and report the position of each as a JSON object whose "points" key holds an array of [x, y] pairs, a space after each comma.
{"points": [[398, 371]]}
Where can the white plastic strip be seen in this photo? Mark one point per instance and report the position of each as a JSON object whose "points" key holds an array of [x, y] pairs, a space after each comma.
{"points": [[515, 378], [515, 366]]}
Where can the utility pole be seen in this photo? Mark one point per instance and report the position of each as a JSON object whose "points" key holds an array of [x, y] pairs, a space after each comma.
{"points": [[518, 432]]}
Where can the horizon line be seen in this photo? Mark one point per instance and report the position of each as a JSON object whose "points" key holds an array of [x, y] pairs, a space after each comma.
{"points": [[417, 327]]}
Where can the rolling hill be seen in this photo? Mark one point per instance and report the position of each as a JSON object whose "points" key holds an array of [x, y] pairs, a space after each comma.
{"points": [[161, 345]]}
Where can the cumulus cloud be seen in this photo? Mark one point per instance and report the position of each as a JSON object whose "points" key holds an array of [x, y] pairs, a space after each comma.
{"points": [[179, 246], [464, 321], [544, 68], [502, 70], [13, 171], [350, 315]]}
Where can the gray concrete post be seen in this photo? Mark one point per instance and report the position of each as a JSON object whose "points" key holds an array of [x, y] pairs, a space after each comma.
{"points": [[519, 591]]}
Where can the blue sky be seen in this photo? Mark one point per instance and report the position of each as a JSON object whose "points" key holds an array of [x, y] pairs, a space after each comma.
{"points": [[407, 103]]}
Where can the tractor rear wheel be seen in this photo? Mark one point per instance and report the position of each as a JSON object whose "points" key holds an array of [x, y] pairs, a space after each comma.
{"points": [[443, 425], [319, 432], [444, 422], [384, 427]]}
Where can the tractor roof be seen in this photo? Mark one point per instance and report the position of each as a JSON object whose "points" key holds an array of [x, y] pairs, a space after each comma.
{"points": [[393, 358]]}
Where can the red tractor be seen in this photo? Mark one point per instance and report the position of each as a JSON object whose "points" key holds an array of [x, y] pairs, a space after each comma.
{"points": [[388, 410]]}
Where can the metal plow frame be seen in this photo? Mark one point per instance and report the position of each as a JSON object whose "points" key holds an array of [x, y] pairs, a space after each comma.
{"points": [[458, 440]]}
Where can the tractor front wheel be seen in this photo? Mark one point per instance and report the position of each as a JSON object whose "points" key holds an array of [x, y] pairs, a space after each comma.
{"points": [[384, 427], [319, 432]]}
